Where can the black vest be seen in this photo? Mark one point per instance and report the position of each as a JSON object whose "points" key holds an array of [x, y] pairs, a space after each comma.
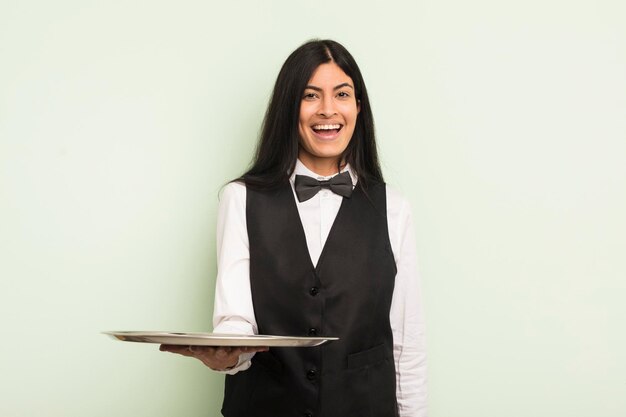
{"points": [[347, 295]]}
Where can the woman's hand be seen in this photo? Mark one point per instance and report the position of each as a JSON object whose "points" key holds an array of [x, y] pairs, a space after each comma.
{"points": [[217, 358]]}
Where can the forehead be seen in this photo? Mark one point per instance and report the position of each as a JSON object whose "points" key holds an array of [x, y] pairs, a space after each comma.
{"points": [[329, 74]]}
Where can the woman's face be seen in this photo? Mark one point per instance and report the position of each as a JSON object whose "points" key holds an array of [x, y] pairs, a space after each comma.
{"points": [[328, 113]]}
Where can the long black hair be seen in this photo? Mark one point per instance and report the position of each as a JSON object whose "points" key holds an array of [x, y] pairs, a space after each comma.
{"points": [[277, 149]]}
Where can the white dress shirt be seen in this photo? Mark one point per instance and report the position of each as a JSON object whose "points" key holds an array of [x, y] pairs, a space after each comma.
{"points": [[234, 312]]}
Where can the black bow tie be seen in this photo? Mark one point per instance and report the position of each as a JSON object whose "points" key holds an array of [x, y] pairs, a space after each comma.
{"points": [[307, 187]]}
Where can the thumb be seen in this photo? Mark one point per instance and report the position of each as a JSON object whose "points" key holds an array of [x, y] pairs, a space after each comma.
{"points": [[222, 352]]}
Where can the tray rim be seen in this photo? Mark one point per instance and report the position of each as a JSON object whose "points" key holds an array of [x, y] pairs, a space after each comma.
{"points": [[217, 339]]}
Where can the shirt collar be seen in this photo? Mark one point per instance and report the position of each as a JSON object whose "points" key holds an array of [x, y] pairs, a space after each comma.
{"points": [[301, 169]]}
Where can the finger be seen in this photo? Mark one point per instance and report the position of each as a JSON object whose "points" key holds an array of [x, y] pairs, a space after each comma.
{"points": [[250, 349], [226, 356], [230, 354], [201, 349], [226, 352], [179, 349]]}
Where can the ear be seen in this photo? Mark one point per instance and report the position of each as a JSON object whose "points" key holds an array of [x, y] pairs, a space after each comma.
{"points": [[358, 106]]}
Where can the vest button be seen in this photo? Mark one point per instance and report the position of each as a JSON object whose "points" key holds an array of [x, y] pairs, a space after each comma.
{"points": [[312, 331], [314, 291], [311, 374], [308, 414]]}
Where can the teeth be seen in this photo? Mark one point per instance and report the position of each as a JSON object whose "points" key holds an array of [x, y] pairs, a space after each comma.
{"points": [[326, 127]]}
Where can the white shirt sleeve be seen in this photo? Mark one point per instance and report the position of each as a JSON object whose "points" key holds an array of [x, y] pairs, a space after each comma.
{"points": [[233, 311], [406, 316]]}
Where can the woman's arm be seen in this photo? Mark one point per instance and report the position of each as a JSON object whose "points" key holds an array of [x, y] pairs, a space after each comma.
{"points": [[233, 311], [407, 320]]}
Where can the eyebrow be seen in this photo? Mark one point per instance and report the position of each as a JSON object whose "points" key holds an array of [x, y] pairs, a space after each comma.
{"points": [[342, 85]]}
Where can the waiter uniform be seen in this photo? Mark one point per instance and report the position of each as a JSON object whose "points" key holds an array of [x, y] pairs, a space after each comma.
{"points": [[347, 293]]}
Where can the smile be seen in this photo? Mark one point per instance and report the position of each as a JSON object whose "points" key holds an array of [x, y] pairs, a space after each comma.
{"points": [[326, 127], [327, 132]]}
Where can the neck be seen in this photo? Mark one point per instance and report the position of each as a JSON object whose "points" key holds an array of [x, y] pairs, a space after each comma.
{"points": [[324, 167]]}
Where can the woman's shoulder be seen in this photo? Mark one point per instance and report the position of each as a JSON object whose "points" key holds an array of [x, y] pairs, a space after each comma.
{"points": [[395, 197], [398, 206], [234, 191]]}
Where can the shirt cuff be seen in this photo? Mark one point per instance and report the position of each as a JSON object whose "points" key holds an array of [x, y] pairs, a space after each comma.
{"points": [[245, 360]]}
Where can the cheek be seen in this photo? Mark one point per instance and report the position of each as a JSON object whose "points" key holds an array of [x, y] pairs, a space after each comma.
{"points": [[306, 111], [302, 130], [351, 112]]}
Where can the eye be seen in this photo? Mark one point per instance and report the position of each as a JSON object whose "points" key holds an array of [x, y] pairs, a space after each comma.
{"points": [[343, 94], [309, 96]]}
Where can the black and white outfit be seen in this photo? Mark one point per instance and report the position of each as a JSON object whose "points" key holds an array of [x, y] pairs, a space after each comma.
{"points": [[327, 266]]}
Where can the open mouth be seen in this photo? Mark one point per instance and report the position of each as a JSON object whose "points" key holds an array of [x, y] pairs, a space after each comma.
{"points": [[327, 131]]}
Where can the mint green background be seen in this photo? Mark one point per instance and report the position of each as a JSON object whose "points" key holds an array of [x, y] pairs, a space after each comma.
{"points": [[503, 122]]}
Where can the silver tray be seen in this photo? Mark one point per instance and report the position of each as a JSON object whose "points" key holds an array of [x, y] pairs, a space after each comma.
{"points": [[219, 339]]}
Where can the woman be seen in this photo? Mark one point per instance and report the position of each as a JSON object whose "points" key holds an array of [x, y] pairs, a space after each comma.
{"points": [[312, 242]]}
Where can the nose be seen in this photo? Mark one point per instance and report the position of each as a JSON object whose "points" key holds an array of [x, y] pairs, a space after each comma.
{"points": [[327, 107]]}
